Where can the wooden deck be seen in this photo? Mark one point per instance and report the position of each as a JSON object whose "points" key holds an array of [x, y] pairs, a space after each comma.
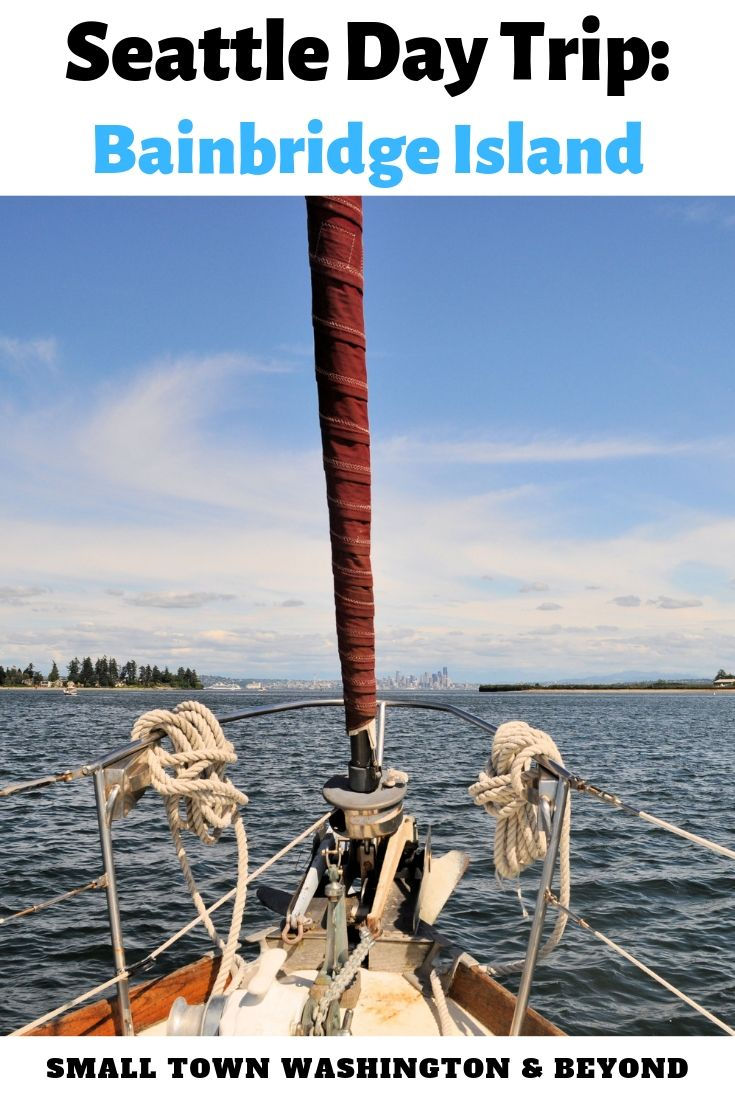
{"points": [[482, 998]]}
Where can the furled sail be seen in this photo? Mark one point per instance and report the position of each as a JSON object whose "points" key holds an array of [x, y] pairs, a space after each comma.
{"points": [[335, 257]]}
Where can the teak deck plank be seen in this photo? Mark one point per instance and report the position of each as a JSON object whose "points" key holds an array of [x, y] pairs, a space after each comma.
{"points": [[493, 1005], [150, 1003]]}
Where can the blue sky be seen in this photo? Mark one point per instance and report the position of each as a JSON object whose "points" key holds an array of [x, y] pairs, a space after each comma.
{"points": [[551, 405]]}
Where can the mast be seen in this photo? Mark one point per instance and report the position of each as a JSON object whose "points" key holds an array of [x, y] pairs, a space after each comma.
{"points": [[335, 259]]}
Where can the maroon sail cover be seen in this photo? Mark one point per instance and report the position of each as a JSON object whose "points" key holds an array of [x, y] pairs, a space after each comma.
{"points": [[335, 257]]}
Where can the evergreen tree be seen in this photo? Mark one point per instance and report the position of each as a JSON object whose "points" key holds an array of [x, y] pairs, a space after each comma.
{"points": [[102, 672], [86, 673]]}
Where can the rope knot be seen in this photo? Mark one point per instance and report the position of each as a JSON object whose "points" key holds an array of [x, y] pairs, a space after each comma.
{"points": [[193, 772], [519, 838]]}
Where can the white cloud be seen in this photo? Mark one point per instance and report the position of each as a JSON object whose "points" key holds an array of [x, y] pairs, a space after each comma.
{"points": [[183, 507], [548, 606], [157, 441], [174, 600], [702, 212], [543, 449], [22, 355], [19, 594], [674, 602]]}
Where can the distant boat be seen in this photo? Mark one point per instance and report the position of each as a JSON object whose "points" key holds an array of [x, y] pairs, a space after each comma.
{"points": [[70, 690]]}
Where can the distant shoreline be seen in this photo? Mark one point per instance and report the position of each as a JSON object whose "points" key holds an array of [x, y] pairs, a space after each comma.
{"points": [[98, 689], [501, 690], [696, 689], [604, 689]]}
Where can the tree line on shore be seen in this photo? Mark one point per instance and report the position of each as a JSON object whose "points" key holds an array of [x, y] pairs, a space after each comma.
{"points": [[103, 673]]}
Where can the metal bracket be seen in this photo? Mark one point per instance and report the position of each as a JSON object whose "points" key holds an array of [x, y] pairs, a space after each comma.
{"points": [[541, 787], [124, 786]]}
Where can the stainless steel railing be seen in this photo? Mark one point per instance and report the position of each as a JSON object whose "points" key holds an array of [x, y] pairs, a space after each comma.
{"points": [[554, 785]]}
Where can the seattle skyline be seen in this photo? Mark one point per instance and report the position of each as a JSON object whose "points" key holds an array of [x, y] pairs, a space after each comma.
{"points": [[550, 383]]}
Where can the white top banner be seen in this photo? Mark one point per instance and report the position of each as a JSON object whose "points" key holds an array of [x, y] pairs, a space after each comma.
{"points": [[281, 98]]}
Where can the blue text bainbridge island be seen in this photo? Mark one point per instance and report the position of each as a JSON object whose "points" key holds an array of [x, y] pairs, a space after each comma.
{"points": [[385, 159]]}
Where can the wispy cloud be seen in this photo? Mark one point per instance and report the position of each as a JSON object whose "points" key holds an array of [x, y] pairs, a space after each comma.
{"points": [[20, 594], [178, 494], [543, 449], [674, 602], [161, 438], [702, 212], [175, 600], [19, 355]]}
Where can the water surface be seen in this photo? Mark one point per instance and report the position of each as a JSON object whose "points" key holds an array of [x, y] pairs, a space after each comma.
{"points": [[666, 901]]}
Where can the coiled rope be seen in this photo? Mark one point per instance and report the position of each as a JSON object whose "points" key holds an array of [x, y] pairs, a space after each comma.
{"points": [[519, 837], [194, 774]]}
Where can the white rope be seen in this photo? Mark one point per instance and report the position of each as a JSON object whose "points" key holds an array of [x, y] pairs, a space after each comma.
{"points": [[584, 925], [519, 838], [194, 774], [343, 979], [447, 1027]]}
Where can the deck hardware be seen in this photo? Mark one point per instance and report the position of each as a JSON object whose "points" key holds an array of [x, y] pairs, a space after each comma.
{"points": [[113, 906], [380, 741], [346, 1028], [131, 779], [534, 938], [337, 945], [112, 797]]}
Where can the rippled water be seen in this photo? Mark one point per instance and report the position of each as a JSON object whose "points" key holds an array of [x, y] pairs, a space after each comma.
{"points": [[668, 902]]}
